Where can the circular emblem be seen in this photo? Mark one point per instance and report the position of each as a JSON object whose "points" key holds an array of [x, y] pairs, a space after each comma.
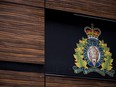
{"points": [[93, 53]]}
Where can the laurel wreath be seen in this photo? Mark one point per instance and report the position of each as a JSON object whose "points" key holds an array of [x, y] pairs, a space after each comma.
{"points": [[107, 63], [79, 56]]}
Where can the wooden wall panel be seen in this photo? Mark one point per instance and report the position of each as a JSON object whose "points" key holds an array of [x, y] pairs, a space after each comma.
{"points": [[21, 33], [99, 8], [71, 82], [36, 3], [21, 79]]}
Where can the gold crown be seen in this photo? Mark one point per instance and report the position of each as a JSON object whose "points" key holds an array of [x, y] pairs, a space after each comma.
{"points": [[92, 32]]}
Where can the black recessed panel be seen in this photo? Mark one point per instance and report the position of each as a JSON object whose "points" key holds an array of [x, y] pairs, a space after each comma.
{"points": [[23, 67], [62, 34]]}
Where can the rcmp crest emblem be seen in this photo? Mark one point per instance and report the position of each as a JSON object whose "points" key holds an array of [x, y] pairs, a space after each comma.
{"points": [[93, 55]]}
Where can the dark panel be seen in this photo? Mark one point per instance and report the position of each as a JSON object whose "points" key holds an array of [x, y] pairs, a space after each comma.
{"points": [[63, 31], [24, 67], [37, 3], [21, 79], [75, 82], [21, 33], [61, 27], [100, 8]]}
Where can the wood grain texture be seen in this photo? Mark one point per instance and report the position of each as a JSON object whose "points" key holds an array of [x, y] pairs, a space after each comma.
{"points": [[36, 3], [71, 82], [99, 8], [21, 79], [21, 33]]}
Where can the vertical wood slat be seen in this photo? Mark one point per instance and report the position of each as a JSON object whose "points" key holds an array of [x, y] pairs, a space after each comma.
{"points": [[21, 33], [21, 79], [99, 8]]}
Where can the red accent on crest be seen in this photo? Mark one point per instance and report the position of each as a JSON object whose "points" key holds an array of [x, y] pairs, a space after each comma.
{"points": [[92, 32]]}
